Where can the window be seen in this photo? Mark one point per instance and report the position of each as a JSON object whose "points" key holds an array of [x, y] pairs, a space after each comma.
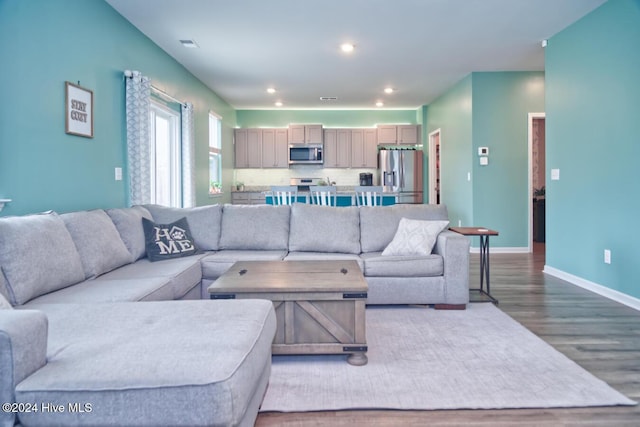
{"points": [[166, 187], [215, 153]]}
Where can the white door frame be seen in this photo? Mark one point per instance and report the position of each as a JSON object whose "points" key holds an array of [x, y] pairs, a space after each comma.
{"points": [[531, 117], [432, 165]]}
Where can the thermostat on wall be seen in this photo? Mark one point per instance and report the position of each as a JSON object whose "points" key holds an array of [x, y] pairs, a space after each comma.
{"points": [[483, 151]]}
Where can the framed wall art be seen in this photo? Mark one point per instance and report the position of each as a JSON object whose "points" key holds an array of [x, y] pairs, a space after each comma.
{"points": [[79, 110]]}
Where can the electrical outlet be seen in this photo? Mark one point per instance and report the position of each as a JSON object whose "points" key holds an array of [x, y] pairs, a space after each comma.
{"points": [[607, 256]]}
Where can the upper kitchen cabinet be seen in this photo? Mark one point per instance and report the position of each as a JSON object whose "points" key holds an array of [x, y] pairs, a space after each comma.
{"points": [[248, 148], [275, 151], [305, 134], [399, 134], [337, 148], [364, 148]]}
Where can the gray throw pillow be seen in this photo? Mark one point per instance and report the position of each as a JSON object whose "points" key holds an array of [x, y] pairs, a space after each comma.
{"points": [[204, 221], [98, 242], [37, 256]]}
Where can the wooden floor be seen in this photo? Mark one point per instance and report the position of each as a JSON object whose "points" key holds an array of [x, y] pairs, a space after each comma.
{"points": [[599, 334]]}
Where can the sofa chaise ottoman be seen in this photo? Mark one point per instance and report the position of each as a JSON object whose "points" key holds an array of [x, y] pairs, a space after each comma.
{"points": [[162, 363]]}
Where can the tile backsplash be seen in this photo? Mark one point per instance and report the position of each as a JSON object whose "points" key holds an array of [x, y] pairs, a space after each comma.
{"points": [[266, 177]]}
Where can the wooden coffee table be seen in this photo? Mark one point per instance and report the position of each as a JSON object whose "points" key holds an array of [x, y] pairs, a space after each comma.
{"points": [[320, 305]]}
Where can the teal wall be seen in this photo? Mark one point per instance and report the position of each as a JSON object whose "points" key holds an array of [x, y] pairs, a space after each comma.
{"points": [[328, 118], [452, 114], [592, 136], [501, 103], [488, 109], [45, 43]]}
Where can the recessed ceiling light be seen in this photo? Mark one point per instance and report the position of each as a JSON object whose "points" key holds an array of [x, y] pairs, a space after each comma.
{"points": [[379, 104], [189, 43], [347, 47], [388, 90], [278, 104], [271, 90]]}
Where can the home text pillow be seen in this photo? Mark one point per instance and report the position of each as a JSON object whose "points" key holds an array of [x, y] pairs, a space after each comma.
{"points": [[165, 241], [204, 221], [414, 237]]}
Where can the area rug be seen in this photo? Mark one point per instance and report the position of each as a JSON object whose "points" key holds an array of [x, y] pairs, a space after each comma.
{"points": [[425, 359]]}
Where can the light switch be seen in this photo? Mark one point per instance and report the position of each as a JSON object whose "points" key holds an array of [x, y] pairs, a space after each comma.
{"points": [[118, 174], [555, 174]]}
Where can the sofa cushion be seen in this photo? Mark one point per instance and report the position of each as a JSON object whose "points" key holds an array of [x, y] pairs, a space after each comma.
{"points": [[204, 221], [376, 265], [214, 265], [316, 228], [378, 224], [23, 350], [180, 274], [166, 241], [37, 255], [414, 237], [175, 363], [255, 227], [128, 221], [324, 256], [98, 242]]}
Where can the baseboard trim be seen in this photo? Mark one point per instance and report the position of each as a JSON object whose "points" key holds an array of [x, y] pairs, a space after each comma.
{"points": [[504, 250], [609, 293]]}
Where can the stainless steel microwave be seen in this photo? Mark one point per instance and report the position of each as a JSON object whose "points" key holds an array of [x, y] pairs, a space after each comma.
{"points": [[310, 154]]}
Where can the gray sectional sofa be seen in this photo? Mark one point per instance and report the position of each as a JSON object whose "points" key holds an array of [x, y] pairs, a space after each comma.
{"points": [[100, 335]]}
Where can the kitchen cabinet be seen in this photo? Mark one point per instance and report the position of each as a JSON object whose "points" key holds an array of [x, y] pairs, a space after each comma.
{"points": [[337, 148], [305, 134], [275, 149], [248, 148], [399, 134], [248, 198], [364, 148]]}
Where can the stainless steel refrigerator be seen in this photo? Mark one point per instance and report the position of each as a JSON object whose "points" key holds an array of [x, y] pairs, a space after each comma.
{"points": [[401, 172]]}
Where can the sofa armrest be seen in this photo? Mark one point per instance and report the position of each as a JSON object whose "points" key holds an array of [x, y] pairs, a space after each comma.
{"points": [[23, 350], [454, 249]]}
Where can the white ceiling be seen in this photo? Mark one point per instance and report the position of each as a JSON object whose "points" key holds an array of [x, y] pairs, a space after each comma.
{"points": [[419, 47]]}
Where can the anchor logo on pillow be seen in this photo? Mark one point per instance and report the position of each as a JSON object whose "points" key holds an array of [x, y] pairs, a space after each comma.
{"points": [[165, 241]]}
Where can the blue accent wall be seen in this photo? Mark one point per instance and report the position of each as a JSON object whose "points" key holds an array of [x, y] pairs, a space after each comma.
{"points": [[452, 114], [502, 102], [45, 43], [488, 109], [593, 137]]}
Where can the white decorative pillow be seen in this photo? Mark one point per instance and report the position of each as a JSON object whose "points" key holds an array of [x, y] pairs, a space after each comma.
{"points": [[4, 304], [414, 237]]}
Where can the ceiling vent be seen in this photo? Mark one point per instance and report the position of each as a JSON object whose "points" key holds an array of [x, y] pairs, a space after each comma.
{"points": [[328, 98]]}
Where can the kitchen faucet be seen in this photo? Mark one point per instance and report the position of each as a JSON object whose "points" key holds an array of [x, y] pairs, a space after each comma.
{"points": [[329, 182]]}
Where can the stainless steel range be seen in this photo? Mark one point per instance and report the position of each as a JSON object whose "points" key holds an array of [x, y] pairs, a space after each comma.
{"points": [[304, 183]]}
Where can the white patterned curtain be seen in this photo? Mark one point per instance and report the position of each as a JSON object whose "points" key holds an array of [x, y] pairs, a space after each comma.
{"points": [[138, 105], [188, 157]]}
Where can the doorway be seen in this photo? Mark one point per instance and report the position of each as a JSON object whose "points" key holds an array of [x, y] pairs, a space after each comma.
{"points": [[434, 167], [537, 185]]}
